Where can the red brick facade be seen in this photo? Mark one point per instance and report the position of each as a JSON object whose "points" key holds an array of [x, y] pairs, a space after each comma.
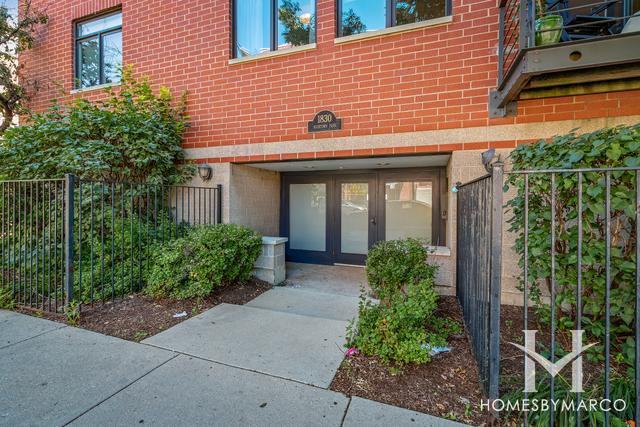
{"points": [[431, 78]]}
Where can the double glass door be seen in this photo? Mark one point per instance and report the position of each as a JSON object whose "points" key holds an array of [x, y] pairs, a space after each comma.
{"points": [[336, 218]]}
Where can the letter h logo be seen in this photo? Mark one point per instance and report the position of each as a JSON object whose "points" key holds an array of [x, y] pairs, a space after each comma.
{"points": [[575, 358]]}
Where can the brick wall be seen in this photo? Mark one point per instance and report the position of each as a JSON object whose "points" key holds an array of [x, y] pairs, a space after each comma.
{"points": [[434, 78]]}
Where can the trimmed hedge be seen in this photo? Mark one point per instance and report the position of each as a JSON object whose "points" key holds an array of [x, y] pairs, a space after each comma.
{"points": [[207, 258]]}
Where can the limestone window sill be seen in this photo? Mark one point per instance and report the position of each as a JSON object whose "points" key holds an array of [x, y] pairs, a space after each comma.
{"points": [[394, 30], [273, 54], [93, 88]]}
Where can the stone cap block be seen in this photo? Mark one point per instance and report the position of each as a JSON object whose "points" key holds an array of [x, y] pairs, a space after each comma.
{"points": [[268, 240]]}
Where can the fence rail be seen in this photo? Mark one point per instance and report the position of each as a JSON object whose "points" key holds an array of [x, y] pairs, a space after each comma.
{"points": [[73, 239], [585, 270]]}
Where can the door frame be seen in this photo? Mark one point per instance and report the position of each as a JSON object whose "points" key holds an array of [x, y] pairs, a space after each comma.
{"points": [[331, 179], [338, 180], [298, 255]]}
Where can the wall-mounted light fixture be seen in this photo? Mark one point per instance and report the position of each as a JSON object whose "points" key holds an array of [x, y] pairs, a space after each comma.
{"points": [[487, 157], [205, 172]]}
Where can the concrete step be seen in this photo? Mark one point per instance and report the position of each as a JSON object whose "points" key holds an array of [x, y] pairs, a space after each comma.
{"points": [[307, 303]]}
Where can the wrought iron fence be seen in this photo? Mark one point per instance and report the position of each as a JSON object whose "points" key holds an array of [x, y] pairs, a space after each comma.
{"points": [[479, 245], [583, 274], [72, 239]]}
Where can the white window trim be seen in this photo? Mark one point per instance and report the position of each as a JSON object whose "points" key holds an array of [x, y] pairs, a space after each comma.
{"points": [[274, 53], [394, 30]]}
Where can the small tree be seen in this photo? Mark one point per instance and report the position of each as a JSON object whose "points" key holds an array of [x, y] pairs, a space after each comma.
{"points": [[352, 23], [298, 28], [16, 36], [133, 135]]}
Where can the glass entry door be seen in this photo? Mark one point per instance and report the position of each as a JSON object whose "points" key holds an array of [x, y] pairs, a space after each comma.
{"points": [[307, 221], [337, 216], [355, 217]]}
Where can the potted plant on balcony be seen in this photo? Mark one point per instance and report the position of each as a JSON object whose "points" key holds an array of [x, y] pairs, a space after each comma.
{"points": [[548, 26]]}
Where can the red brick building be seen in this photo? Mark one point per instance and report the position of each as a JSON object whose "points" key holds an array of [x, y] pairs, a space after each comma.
{"points": [[410, 82]]}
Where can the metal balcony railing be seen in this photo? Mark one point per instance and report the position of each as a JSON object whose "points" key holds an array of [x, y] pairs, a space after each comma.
{"points": [[521, 27]]}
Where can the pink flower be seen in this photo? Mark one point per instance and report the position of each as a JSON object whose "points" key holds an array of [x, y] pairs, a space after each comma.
{"points": [[351, 352]]}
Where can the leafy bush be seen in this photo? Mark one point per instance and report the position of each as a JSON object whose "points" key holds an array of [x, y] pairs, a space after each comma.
{"points": [[393, 264], [206, 258], [132, 135], [7, 302], [612, 147], [400, 328], [118, 263]]}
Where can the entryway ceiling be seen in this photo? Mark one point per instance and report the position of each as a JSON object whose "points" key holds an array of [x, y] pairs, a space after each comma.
{"points": [[356, 163]]}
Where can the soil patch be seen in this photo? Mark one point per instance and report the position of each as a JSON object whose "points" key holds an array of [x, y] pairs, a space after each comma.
{"points": [[140, 316], [447, 387]]}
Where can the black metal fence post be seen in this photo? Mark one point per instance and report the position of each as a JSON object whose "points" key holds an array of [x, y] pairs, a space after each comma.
{"points": [[219, 218], [70, 182], [497, 182]]}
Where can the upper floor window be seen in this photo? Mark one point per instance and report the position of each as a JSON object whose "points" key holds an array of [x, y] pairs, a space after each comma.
{"points": [[98, 50], [359, 16], [266, 25]]}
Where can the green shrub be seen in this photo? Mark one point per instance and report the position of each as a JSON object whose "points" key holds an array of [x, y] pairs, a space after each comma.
{"points": [[401, 328], [131, 135], [206, 258], [7, 302], [609, 147], [125, 253], [396, 263]]}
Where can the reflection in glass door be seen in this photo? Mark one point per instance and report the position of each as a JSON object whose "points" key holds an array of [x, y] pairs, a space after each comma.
{"points": [[354, 218], [408, 210], [308, 217]]}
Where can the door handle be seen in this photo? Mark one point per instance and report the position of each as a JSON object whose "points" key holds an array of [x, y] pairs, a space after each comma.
{"points": [[373, 220]]}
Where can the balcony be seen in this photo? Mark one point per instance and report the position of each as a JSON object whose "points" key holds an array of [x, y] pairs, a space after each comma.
{"points": [[552, 48]]}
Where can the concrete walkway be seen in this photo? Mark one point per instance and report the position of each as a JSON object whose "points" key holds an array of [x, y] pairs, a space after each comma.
{"points": [[264, 364]]}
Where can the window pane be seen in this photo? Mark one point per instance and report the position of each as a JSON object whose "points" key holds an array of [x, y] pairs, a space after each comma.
{"points": [[359, 16], [296, 23], [308, 217], [100, 24], [411, 11], [354, 218], [408, 210], [89, 62], [112, 57], [252, 27]]}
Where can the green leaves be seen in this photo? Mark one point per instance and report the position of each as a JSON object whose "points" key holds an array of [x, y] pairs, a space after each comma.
{"points": [[208, 257], [131, 135], [402, 327], [609, 147]]}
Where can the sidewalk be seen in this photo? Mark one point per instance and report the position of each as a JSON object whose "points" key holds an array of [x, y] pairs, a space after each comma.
{"points": [[231, 366]]}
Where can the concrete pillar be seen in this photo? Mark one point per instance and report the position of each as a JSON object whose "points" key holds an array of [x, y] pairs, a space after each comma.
{"points": [[271, 266]]}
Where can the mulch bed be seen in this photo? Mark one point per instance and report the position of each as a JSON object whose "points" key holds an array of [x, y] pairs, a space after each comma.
{"points": [[448, 386], [512, 358], [140, 316]]}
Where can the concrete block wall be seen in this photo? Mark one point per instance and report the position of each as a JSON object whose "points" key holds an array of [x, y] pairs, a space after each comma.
{"points": [[254, 197], [271, 265]]}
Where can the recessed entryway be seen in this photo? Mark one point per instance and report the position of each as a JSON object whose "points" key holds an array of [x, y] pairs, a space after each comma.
{"points": [[336, 216]]}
